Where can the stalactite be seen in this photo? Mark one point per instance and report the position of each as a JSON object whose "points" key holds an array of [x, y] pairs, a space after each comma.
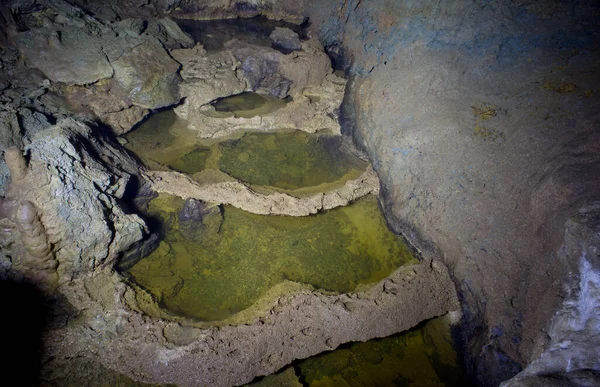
{"points": [[38, 263], [16, 163]]}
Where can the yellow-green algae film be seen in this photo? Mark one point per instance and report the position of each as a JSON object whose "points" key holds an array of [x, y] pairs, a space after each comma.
{"points": [[214, 268], [288, 161], [423, 356], [245, 105]]}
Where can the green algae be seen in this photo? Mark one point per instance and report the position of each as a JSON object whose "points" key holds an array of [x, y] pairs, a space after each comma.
{"points": [[284, 161], [423, 356], [162, 140], [288, 161], [211, 270], [246, 105], [192, 162]]}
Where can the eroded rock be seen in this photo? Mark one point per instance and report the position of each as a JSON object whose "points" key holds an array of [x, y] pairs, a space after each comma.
{"points": [[285, 40], [148, 74], [239, 195], [74, 181], [285, 328], [305, 76], [112, 71]]}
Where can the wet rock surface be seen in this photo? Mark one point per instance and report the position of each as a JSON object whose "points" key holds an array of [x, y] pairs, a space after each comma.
{"points": [[241, 196], [305, 76], [484, 139], [297, 326]]}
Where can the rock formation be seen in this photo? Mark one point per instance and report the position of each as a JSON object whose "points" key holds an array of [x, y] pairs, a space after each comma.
{"points": [[239, 195], [480, 121], [304, 75], [37, 264]]}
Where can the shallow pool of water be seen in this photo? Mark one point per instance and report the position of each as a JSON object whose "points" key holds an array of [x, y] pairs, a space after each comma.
{"points": [[423, 356], [246, 105], [288, 161], [213, 268]]}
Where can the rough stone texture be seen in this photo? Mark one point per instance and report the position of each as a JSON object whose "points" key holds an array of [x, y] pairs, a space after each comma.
{"points": [[75, 181], [169, 33], [111, 71], [241, 196], [223, 9], [315, 109], [206, 78], [149, 74], [112, 330], [573, 355], [36, 261], [304, 75], [285, 39], [481, 121], [264, 68], [65, 56], [22, 114]]}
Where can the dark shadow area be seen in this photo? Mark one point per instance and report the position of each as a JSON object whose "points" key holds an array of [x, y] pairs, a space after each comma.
{"points": [[213, 34], [24, 317], [388, 361]]}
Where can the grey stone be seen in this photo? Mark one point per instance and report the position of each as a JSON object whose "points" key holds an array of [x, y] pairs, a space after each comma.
{"points": [[149, 74], [285, 40], [69, 55]]}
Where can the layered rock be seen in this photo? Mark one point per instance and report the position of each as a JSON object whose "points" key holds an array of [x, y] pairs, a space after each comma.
{"points": [[114, 70], [69, 201], [239, 195], [114, 331], [305, 76]]}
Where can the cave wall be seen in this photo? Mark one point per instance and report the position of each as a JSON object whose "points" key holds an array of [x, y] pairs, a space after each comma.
{"points": [[481, 119]]}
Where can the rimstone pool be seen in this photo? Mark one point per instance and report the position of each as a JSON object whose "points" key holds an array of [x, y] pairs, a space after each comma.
{"points": [[217, 263]]}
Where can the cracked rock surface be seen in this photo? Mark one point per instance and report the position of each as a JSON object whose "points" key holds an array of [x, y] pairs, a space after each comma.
{"points": [[239, 195]]}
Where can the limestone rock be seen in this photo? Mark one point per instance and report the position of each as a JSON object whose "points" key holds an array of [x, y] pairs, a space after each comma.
{"points": [[241, 196], [206, 78], [10, 130], [285, 40], [305, 75], [269, 70], [294, 325], [149, 74], [169, 33], [456, 140], [114, 71], [76, 181], [123, 120], [36, 263], [315, 109], [67, 55]]}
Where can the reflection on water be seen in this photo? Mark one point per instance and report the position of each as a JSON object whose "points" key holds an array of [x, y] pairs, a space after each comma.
{"points": [[288, 161], [246, 105], [218, 264], [213, 34], [423, 356]]}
